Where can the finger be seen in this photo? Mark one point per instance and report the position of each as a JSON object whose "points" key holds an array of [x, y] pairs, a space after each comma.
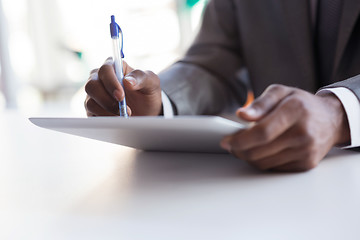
{"points": [[286, 140], [143, 81], [129, 112], [265, 103], [96, 90], [126, 67], [94, 71], [89, 114], [286, 156], [295, 166], [282, 118], [94, 109], [108, 78]]}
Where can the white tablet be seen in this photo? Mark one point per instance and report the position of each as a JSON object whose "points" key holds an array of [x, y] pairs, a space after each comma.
{"points": [[183, 133]]}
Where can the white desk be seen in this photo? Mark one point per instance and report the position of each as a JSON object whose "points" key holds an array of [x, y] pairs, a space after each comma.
{"points": [[57, 186]]}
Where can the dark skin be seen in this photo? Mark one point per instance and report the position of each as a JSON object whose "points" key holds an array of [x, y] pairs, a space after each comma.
{"points": [[293, 130], [142, 89]]}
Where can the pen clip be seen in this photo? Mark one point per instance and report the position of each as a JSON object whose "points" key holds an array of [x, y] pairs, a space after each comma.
{"points": [[122, 41]]}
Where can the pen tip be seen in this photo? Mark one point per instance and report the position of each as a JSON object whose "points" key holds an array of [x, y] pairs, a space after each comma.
{"points": [[112, 18]]}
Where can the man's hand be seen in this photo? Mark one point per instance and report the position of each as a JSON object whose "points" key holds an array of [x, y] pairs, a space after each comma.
{"points": [[294, 130], [141, 88]]}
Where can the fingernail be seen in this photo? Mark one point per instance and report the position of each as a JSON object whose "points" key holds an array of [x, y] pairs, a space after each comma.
{"points": [[252, 112], [94, 76], [225, 144], [117, 95], [109, 60], [131, 80]]}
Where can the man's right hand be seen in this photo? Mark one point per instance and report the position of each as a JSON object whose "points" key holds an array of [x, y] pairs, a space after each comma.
{"points": [[104, 91]]}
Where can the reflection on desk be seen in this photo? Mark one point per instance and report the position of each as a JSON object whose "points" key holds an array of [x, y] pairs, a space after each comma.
{"points": [[57, 186]]}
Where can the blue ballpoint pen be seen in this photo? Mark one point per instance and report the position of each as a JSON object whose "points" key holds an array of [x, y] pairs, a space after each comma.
{"points": [[117, 42]]}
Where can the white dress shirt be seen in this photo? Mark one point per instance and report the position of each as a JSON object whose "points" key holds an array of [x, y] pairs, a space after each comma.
{"points": [[167, 107]]}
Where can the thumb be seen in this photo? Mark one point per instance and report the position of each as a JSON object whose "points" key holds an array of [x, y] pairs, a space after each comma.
{"points": [[270, 98], [249, 114], [145, 82]]}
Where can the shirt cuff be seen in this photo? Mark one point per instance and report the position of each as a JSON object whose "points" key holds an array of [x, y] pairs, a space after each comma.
{"points": [[167, 106], [352, 108]]}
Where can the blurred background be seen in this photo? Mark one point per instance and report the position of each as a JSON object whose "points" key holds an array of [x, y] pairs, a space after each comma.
{"points": [[48, 47]]}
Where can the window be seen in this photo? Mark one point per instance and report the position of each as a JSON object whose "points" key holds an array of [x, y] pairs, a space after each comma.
{"points": [[53, 44]]}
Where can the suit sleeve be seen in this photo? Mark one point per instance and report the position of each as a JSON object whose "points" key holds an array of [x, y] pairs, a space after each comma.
{"points": [[202, 83], [352, 107], [353, 84]]}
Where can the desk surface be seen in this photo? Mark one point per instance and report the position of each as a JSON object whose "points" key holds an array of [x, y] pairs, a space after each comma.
{"points": [[57, 186]]}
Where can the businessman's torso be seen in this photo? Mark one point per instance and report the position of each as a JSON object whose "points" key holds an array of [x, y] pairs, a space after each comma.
{"points": [[277, 42]]}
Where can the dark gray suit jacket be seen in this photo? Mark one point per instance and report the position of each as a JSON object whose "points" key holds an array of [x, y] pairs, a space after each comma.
{"points": [[273, 40]]}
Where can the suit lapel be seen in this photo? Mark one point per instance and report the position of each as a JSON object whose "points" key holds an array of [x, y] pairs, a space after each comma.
{"points": [[351, 10]]}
